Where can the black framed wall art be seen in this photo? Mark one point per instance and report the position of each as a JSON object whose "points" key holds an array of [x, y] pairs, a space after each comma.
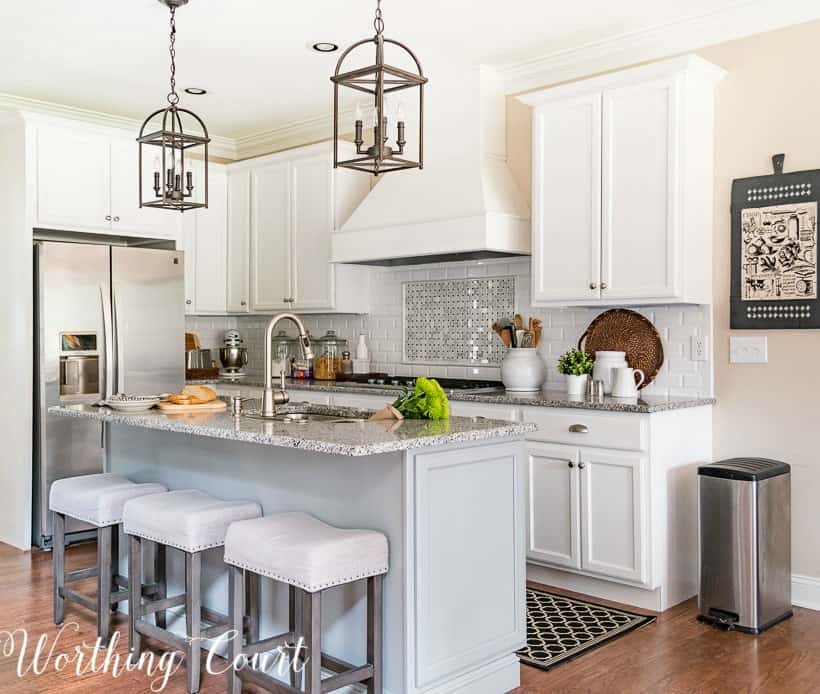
{"points": [[774, 251]]}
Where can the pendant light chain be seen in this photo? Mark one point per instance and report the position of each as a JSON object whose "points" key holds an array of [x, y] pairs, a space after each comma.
{"points": [[173, 97], [378, 22]]}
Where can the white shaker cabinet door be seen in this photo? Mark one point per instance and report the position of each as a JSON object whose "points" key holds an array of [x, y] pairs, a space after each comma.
{"points": [[554, 519], [189, 248], [238, 248], [566, 230], [271, 237], [312, 225], [127, 217], [211, 240], [613, 519], [73, 181], [641, 182]]}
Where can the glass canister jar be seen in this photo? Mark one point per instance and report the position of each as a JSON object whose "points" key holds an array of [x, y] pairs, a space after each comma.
{"points": [[283, 350], [327, 364]]}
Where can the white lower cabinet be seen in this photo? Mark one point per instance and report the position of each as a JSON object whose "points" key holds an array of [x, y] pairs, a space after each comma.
{"points": [[553, 500], [587, 510], [612, 514]]}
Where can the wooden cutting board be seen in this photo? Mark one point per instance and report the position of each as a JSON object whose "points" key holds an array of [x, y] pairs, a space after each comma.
{"points": [[171, 408]]}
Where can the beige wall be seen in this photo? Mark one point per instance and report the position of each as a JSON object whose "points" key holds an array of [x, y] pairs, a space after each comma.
{"points": [[768, 103]]}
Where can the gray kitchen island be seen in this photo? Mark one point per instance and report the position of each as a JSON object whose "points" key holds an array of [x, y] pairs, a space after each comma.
{"points": [[448, 494]]}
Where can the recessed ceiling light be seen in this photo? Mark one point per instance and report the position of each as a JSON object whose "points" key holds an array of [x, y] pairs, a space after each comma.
{"points": [[196, 91], [325, 47]]}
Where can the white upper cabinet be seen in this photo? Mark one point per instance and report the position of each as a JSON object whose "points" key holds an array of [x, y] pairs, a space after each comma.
{"points": [[204, 242], [296, 200], [87, 180], [566, 232], [622, 186], [270, 237], [239, 234]]}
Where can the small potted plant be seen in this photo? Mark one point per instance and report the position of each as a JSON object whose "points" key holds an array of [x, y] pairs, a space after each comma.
{"points": [[576, 366]]}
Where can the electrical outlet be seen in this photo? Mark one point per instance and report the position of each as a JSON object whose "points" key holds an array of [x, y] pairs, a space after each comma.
{"points": [[700, 348], [748, 350]]}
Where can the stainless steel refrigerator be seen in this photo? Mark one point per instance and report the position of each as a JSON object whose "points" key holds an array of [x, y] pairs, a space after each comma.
{"points": [[108, 319]]}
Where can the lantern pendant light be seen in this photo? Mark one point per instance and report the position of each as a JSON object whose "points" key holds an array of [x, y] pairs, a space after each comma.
{"points": [[173, 179], [379, 156]]}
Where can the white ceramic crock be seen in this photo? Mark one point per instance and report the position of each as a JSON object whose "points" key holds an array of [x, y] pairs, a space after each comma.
{"points": [[576, 385], [523, 370], [604, 363]]}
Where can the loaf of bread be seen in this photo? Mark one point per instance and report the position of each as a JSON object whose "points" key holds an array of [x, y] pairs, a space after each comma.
{"points": [[193, 395], [199, 395]]}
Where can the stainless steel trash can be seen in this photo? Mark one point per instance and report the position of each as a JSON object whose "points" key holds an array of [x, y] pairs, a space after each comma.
{"points": [[745, 543]]}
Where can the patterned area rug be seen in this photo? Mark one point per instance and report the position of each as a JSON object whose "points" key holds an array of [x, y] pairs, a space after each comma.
{"points": [[561, 628]]}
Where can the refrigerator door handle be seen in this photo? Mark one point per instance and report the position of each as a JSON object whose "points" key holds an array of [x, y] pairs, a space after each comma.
{"points": [[107, 384], [116, 351]]}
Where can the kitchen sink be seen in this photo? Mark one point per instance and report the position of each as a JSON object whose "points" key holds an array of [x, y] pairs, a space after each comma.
{"points": [[304, 416]]}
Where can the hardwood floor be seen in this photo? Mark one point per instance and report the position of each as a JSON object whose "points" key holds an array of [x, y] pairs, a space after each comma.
{"points": [[673, 655]]}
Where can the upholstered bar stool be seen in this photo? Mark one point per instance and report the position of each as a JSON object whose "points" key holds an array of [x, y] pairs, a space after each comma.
{"points": [[310, 556], [192, 522], [99, 501]]}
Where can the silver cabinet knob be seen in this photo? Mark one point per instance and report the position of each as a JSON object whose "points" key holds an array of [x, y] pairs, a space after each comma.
{"points": [[570, 463], [188, 301], [116, 219], [108, 218], [582, 465], [578, 429], [603, 285], [592, 285], [243, 303]]}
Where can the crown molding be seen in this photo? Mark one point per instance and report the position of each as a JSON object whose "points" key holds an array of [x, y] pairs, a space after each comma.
{"points": [[224, 147], [743, 19], [295, 134]]}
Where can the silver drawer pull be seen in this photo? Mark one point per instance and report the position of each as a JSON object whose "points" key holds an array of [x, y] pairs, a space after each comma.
{"points": [[582, 465], [578, 429]]}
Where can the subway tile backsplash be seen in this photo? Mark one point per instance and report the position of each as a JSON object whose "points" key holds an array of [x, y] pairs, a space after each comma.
{"points": [[384, 328]]}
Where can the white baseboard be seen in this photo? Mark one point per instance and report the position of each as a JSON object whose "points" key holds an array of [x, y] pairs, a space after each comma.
{"points": [[806, 592]]}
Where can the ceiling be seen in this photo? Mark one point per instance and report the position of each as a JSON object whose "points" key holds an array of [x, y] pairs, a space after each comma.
{"points": [[253, 56]]}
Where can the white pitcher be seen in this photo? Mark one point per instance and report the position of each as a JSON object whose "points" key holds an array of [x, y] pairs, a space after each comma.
{"points": [[605, 364], [623, 382]]}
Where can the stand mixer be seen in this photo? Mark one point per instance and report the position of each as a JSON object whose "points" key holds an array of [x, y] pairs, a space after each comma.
{"points": [[233, 355]]}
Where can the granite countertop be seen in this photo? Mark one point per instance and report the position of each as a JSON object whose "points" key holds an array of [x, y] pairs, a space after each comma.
{"points": [[347, 436], [544, 398]]}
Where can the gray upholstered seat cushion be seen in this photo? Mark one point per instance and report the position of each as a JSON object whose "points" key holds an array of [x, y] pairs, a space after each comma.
{"points": [[299, 549], [97, 499], [189, 520]]}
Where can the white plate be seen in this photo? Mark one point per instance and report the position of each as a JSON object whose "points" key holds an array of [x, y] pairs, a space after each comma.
{"points": [[132, 405]]}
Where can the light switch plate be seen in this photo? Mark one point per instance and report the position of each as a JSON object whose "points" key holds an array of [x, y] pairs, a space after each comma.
{"points": [[748, 349]]}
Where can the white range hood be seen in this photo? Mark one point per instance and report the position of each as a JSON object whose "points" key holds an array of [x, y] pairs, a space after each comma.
{"points": [[464, 204]]}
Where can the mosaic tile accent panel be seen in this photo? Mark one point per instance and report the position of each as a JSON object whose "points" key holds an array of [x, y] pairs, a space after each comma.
{"points": [[451, 320]]}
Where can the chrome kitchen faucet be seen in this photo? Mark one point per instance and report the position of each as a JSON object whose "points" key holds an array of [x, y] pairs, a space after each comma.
{"points": [[271, 399]]}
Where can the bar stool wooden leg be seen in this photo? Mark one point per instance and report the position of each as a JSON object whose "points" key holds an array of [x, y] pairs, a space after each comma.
{"points": [[58, 557], [312, 626], [236, 604], [252, 606], [115, 563], [375, 606], [161, 582], [104, 580], [134, 595], [193, 618], [295, 626]]}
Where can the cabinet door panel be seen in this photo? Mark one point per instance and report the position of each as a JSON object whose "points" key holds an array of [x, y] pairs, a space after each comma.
{"points": [[566, 200], [189, 248], [270, 237], [73, 181], [554, 520], [211, 239], [128, 218], [640, 188], [239, 231], [613, 519], [312, 225]]}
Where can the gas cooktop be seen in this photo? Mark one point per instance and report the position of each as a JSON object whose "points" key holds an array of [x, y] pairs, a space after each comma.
{"points": [[382, 381]]}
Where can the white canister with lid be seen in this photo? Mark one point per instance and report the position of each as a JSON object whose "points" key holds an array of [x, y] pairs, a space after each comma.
{"points": [[605, 362]]}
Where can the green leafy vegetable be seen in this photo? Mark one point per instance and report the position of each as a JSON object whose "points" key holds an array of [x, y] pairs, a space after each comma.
{"points": [[426, 401]]}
